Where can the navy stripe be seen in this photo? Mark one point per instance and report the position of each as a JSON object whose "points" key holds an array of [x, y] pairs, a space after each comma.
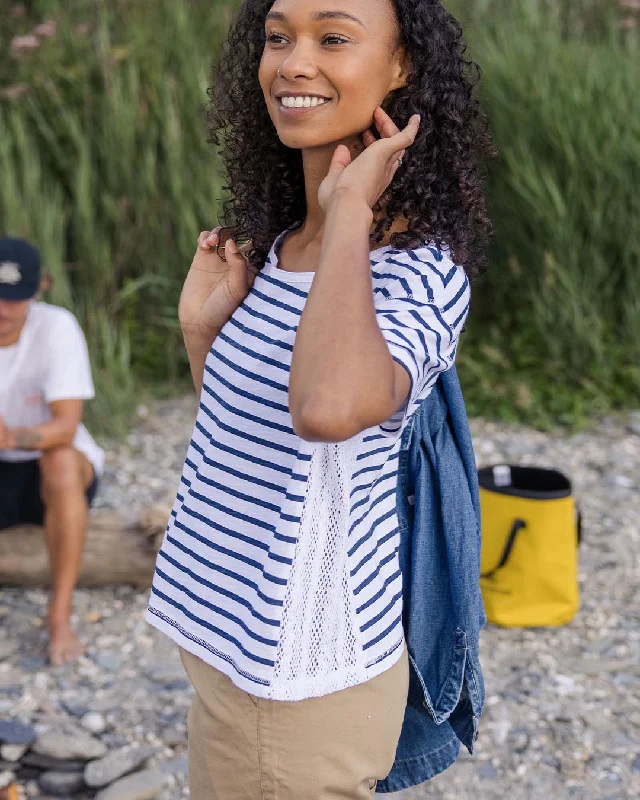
{"points": [[376, 572], [380, 499], [229, 573], [277, 303], [232, 513], [384, 633], [267, 423], [382, 613], [378, 545], [455, 299], [248, 374], [213, 628], [217, 610], [260, 336], [206, 646], [250, 562], [290, 451], [219, 590], [248, 395], [285, 286], [248, 457], [254, 353], [379, 593], [252, 312]]}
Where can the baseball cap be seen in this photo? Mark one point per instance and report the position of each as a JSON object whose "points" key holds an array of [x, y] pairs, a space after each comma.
{"points": [[19, 270]]}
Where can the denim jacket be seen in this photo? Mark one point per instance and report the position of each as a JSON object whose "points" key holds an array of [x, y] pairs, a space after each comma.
{"points": [[439, 513]]}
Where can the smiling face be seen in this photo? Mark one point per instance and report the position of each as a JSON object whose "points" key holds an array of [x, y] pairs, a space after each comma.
{"points": [[338, 61]]}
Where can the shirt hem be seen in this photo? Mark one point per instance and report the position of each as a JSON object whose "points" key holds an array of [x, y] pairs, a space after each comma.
{"points": [[262, 687]]}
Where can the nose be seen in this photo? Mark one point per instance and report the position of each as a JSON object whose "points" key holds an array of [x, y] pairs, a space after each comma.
{"points": [[299, 63]]}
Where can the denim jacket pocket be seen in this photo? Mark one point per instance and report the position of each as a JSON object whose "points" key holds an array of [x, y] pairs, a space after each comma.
{"points": [[441, 702]]}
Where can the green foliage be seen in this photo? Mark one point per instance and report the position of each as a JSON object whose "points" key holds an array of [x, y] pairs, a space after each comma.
{"points": [[104, 165], [555, 332]]}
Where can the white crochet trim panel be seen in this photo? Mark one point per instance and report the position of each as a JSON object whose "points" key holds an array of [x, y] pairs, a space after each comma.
{"points": [[319, 648]]}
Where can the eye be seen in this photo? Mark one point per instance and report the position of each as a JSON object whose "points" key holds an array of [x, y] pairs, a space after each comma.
{"points": [[333, 39], [276, 38]]}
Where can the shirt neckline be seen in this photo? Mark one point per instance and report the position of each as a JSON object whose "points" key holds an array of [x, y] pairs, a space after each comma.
{"points": [[271, 266]]}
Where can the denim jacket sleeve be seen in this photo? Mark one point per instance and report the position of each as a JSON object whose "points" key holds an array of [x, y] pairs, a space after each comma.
{"points": [[439, 514]]}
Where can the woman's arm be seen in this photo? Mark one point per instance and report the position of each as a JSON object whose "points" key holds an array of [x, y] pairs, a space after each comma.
{"points": [[343, 378]]}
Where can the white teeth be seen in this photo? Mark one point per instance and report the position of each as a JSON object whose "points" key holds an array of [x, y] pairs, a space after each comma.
{"points": [[303, 102]]}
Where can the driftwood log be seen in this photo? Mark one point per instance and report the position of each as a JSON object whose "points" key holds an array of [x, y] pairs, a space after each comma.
{"points": [[118, 550]]}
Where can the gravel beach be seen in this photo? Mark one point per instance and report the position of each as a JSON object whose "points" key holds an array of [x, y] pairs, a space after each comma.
{"points": [[563, 706]]}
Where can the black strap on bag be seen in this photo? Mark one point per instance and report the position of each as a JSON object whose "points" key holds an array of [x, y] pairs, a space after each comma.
{"points": [[518, 525]]}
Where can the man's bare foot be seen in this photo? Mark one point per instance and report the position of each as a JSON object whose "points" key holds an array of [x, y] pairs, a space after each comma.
{"points": [[64, 645]]}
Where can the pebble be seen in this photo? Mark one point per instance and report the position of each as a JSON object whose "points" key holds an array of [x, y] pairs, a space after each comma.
{"points": [[634, 423], [12, 752], [116, 764], [7, 648], [5, 779], [12, 731], [61, 784], [175, 766], [49, 764], [143, 785], [93, 722], [69, 745]]}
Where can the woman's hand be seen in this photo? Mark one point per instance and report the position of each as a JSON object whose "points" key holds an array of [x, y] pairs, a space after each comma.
{"points": [[372, 171], [214, 288]]}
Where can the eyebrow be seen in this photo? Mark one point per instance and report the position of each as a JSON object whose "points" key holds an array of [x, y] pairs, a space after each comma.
{"points": [[319, 16]]}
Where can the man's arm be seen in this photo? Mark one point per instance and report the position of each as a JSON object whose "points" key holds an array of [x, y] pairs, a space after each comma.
{"points": [[59, 431]]}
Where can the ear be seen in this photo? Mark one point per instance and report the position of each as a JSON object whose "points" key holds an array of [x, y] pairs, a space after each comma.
{"points": [[401, 69], [46, 283]]}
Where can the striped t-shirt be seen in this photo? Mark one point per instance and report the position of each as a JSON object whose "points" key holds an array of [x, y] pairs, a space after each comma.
{"points": [[280, 562]]}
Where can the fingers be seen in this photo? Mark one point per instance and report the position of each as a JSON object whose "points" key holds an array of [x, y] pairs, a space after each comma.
{"points": [[209, 239], [368, 138], [341, 159], [395, 139]]}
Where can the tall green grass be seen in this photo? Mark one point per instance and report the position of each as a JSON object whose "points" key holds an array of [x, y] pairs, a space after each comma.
{"points": [[555, 331], [104, 165]]}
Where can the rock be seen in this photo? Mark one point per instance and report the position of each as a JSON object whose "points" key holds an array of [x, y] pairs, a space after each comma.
{"points": [[39, 762], [166, 673], [635, 767], [109, 661], [116, 764], [634, 423], [175, 766], [13, 752], [13, 731], [488, 772], [93, 722], [174, 737], [6, 779], [7, 648], [61, 784], [143, 785], [75, 708], [69, 745]]}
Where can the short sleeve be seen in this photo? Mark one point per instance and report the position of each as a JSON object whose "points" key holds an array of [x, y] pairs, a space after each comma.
{"points": [[68, 375], [422, 301]]}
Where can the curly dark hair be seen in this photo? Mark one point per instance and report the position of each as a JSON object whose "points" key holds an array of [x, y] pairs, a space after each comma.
{"points": [[439, 189]]}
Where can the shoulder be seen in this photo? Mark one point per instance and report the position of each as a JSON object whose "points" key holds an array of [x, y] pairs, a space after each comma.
{"points": [[54, 321], [426, 275], [56, 316]]}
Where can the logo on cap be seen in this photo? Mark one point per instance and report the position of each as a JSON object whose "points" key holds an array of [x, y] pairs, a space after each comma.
{"points": [[10, 273]]}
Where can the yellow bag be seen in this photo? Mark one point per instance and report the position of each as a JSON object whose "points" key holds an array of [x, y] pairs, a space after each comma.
{"points": [[530, 534]]}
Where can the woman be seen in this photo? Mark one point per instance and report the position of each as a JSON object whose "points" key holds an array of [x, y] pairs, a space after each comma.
{"points": [[279, 577]]}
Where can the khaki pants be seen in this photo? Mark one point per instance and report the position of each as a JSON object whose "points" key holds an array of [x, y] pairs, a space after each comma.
{"points": [[243, 747]]}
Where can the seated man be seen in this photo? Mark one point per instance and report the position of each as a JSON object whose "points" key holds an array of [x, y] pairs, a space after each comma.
{"points": [[49, 464]]}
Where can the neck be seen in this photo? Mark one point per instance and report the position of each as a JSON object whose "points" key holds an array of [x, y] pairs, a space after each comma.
{"points": [[12, 337], [316, 163]]}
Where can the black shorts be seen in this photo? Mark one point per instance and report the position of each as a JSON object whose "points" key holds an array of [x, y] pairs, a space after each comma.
{"points": [[20, 501]]}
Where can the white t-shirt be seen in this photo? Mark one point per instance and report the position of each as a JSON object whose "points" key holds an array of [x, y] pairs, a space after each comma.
{"points": [[49, 362], [280, 563]]}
